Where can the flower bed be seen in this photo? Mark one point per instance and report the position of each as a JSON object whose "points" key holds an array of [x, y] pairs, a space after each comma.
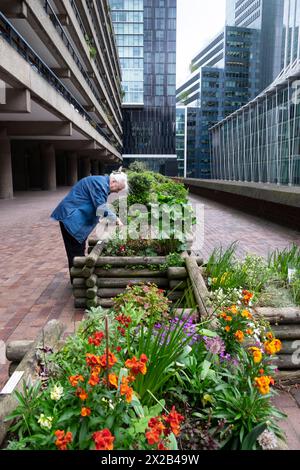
{"points": [[146, 376], [275, 286]]}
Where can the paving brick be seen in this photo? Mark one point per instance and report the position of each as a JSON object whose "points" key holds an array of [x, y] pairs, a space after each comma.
{"points": [[34, 286]]}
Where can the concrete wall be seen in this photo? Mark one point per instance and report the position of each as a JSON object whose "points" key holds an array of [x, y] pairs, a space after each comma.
{"points": [[280, 204]]}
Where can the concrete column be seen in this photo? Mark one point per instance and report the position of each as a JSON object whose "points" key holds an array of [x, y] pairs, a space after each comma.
{"points": [[101, 168], [72, 169], [95, 167], [48, 167], [6, 179], [86, 167]]}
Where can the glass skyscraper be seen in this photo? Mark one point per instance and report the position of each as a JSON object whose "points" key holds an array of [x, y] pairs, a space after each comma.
{"points": [[267, 149], [225, 76], [146, 38], [266, 17]]}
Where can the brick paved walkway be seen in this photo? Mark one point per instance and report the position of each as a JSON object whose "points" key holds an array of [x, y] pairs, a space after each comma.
{"points": [[34, 285]]}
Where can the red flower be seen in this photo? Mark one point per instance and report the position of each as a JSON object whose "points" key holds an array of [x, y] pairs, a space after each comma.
{"points": [[174, 419], [63, 439], [96, 338], [104, 440], [111, 360], [92, 360], [161, 446]]}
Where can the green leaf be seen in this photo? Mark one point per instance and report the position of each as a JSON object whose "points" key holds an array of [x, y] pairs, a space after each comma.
{"points": [[173, 442], [252, 437], [83, 434], [205, 368]]}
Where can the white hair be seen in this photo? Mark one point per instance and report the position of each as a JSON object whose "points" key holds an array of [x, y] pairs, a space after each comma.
{"points": [[120, 178]]}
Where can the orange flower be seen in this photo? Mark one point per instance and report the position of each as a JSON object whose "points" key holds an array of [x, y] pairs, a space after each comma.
{"points": [[239, 335], [111, 360], [261, 371], [96, 338], [74, 379], [228, 318], [81, 393], [152, 436], [257, 354], [233, 309], [227, 328], [104, 440], [137, 367], [247, 296], [249, 332], [85, 411], [270, 335], [63, 439], [263, 383], [92, 360], [94, 379], [126, 390], [223, 315], [113, 380]]}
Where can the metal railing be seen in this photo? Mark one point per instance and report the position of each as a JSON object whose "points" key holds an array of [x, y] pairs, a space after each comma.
{"points": [[14, 38]]}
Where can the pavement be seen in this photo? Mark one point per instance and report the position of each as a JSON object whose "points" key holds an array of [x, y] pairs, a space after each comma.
{"points": [[34, 281]]}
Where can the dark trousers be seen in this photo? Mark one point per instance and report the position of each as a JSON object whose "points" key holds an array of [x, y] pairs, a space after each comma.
{"points": [[72, 246]]}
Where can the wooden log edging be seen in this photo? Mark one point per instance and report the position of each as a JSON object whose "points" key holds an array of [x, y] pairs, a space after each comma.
{"points": [[49, 336], [199, 287]]}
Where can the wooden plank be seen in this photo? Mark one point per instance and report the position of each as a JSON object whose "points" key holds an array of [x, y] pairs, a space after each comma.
{"points": [[122, 272], [91, 281], [199, 287], [287, 362], [79, 261], [286, 331], [177, 273], [79, 293], [123, 282], [78, 282], [91, 293], [280, 316], [94, 254], [121, 261], [108, 293]]}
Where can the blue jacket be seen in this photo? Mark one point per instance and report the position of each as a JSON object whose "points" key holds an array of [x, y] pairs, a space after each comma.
{"points": [[77, 211]]}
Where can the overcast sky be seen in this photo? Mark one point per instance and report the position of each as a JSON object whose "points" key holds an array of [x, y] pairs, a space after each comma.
{"points": [[197, 22]]}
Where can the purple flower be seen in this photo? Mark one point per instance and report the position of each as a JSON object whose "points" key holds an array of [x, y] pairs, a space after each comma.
{"points": [[215, 345]]}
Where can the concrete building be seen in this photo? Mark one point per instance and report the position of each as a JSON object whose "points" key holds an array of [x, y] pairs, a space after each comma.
{"points": [[60, 93], [146, 37]]}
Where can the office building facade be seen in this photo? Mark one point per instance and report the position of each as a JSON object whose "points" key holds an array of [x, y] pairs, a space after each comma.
{"points": [[268, 148], [60, 93], [225, 76], [146, 37], [266, 16]]}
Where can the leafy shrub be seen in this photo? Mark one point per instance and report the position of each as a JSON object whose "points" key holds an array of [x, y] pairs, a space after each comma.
{"points": [[150, 301]]}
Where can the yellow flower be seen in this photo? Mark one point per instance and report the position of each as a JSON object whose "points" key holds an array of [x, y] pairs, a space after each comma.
{"points": [[273, 346], [233, 309], [246, 314], [257, 354], [263, 383]]}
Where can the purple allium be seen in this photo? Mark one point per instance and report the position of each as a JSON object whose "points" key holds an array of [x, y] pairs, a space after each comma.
{"points": [[215, 345]]}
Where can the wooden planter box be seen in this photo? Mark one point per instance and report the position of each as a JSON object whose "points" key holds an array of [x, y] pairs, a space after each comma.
{"points": [[98, 279]]}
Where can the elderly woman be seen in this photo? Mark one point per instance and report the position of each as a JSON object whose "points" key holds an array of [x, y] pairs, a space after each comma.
{"points": [[78, 213]]}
